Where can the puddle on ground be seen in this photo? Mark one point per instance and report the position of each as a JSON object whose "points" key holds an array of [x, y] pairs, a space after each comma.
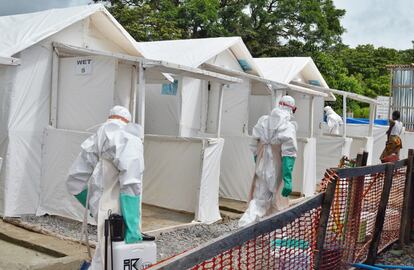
{"points": [[13, 256]]}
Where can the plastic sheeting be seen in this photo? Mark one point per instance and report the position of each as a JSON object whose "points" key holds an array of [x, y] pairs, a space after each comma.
{"points": [[237, 168], [88, 97], [162, 112], [19, 32], [57, 160], [287, 69], [329, 151], [194, 52], [25, 90], [189, 183]]}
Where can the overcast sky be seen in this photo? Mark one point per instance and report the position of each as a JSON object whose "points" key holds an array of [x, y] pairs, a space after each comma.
{"points": [[388, 23], [8, 7]]}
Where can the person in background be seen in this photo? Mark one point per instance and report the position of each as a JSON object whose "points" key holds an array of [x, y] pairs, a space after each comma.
{"points": [[274, 146], [394, 143], [333, 119], [107, 175]]}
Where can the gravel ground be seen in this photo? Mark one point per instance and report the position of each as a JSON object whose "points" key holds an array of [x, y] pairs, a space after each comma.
{"points": [[396, 256], [169, 243]]}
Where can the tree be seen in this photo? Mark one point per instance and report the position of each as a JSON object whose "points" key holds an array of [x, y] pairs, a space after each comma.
{"points": [[269, 27]]}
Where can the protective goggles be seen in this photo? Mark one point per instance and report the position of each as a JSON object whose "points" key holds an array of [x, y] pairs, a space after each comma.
{"points": [[288, 105]]}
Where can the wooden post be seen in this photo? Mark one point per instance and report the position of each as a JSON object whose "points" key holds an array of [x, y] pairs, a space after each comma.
{"points": [[323, 222], [407, 211], [364, 158], [379, 221]]}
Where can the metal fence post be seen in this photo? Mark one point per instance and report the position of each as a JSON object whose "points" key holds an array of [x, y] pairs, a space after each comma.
{"points": [[379, 221], [323, 222], [407, 215]]}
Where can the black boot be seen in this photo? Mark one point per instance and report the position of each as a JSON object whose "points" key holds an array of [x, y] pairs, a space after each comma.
{"points": [[146, 237]]}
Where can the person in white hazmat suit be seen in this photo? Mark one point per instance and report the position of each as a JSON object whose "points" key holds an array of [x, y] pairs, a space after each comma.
{"points": [[107, 175], [274, 146], [333, 119]]}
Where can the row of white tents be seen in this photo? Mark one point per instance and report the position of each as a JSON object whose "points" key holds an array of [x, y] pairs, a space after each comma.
{"points": [[62, 70]]}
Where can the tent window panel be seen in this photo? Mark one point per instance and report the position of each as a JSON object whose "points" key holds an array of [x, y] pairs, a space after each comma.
{"points": [[85, 98], [244, 65], [170, 89], [314, 82]]}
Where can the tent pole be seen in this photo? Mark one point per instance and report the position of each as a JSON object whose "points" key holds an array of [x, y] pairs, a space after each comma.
{"points": [[312, 116], [133, 101], [344, 113], [372, 112], [273, 98], [141, 95], [54, 88], [220, 111]]}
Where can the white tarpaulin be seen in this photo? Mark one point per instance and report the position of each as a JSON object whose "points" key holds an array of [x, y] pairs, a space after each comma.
{"points": [[162, 111], [194, 52], [25, 90], [24, 30], [237, 168], [57, 158], [329, 151], [189, 183], [288, 69], [374, 145], [198, 107]]}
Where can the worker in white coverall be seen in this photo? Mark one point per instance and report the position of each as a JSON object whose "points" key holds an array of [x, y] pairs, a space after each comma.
{"points": [[107, 175], [333, 119], [274, 146]]}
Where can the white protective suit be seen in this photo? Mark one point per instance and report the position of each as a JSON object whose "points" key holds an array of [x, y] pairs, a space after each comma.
{"points": [[274, 137], [111, 162], [333, 119]]}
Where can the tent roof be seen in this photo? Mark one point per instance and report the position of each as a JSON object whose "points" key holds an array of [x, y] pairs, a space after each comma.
{"points": [[287, 69], [24, 30], [194, 52]]}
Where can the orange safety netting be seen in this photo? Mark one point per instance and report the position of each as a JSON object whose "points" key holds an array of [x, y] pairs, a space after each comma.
{"points": [[289, 247], [392, 221], [353, 214]]}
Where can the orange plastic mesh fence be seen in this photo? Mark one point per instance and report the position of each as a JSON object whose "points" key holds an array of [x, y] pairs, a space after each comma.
{"points": [[392, 222], [290, 247], [286, 240], [353, 214]]}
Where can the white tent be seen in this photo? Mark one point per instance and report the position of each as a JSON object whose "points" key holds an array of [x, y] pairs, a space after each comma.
{"points": [[355, 138], [25, 89], [225, 55], [198, 112], [72, 66], [308, 115]]}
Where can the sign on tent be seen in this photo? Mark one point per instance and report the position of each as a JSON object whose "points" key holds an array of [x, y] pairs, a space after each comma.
{"points": [[84, 66]]}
